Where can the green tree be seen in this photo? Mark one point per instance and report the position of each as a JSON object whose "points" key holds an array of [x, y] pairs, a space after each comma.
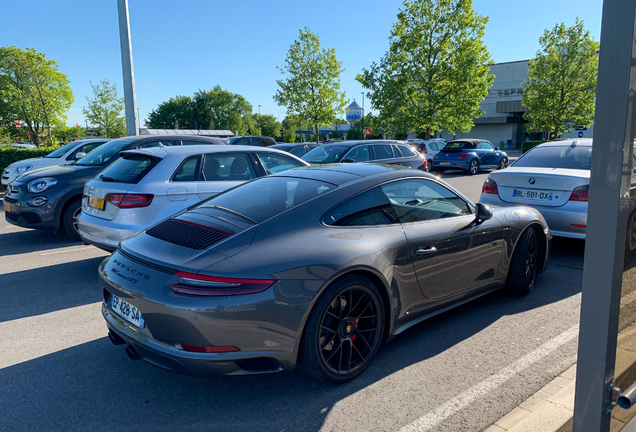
{"points": [[560, 91], [435, 73], [311, 90], [63, 133], [269, 125], [289, 127], [178, 110], [370, 121], [221, 109], [32, 90], [105, 110]]}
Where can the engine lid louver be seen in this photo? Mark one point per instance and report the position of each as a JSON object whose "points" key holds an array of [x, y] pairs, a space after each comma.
{"points": [[187, 234]]}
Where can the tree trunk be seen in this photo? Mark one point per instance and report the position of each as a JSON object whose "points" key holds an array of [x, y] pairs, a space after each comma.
{"points": [[428, 133], [317, 135]]}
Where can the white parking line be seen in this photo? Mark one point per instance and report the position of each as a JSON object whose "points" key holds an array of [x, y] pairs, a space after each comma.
{"points": [[449, 408], [66, 250]]}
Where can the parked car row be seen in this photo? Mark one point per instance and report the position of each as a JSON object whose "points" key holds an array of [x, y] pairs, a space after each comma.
{"points": [[245, 259]]}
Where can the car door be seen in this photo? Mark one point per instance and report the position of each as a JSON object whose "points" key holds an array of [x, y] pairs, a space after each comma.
{"points": [[180, 187], [222, 171], [449, 251], [487, 154]]}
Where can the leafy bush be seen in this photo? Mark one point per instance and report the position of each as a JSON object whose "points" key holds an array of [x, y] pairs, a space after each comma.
{"points": [[8, 155], [527, 145]]}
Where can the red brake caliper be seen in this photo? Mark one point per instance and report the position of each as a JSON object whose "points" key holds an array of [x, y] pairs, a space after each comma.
{"points": [[355, 323]]}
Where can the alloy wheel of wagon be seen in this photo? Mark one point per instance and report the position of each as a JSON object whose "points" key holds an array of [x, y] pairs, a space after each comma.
{"points": [[344, 331], [473, 168], [503, 164], [69, 218]]}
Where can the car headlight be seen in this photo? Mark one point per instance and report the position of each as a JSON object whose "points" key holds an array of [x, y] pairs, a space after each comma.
{"points": [[23, 168], [40, 185]]}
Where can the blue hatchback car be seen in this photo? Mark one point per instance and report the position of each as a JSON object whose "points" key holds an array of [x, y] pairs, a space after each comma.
{"points": [[470, 155]]}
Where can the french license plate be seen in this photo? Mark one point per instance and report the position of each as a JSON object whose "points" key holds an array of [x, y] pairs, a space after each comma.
{"points": [[97, 203], [6, 206], [444, 163], [127, 311], [532, 194]]}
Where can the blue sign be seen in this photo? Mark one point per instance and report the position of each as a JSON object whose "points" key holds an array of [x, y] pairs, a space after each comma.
{"points": [[304, 132], [580, 134]]}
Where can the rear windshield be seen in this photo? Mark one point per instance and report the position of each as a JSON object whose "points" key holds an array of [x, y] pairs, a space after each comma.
{"points": [[459, 145], [556, 157], [325, 155], [62, 150], [105, 154], [130, 168], [263, 198]]}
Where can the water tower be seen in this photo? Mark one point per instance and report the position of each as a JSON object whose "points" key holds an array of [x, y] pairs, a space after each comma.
{"points": [[354, 112]]}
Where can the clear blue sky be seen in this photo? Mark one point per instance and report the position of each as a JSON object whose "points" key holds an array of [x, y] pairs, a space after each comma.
{"points": [[182, 46]]}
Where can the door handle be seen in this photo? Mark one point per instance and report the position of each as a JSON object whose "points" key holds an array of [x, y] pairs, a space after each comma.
{"points": [[426, 251]]}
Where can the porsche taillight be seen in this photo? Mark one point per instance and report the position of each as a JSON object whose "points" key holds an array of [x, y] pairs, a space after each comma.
{"points": [[204, 285]]}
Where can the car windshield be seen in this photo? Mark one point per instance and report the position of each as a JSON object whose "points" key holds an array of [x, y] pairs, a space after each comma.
{"points": [[233, 140], [325, 155], [130, 168], [459, 145], [105, 154], [263, 198], [568, 157], [62, 150]]}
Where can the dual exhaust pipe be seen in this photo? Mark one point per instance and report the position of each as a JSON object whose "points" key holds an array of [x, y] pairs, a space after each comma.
{"points": [[118, 340]]}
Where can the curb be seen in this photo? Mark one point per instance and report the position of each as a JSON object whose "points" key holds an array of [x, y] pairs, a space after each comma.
{"points": [[551, 409]]}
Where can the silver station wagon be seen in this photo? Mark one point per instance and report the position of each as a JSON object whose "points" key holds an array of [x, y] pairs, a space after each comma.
{"points": [[146, 186]]}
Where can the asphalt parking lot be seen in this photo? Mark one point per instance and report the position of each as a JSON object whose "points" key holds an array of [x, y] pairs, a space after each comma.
{"points": [[459, 371]]}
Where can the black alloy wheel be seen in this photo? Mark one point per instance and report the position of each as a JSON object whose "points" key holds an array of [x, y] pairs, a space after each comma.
{"points": [[503, 164], [344, 331], [524, 263], [473, 168], [429, 165]]}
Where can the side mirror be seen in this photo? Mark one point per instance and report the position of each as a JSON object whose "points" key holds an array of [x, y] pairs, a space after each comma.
{"points": [[482, 213], [348, 161], [79, 155]]}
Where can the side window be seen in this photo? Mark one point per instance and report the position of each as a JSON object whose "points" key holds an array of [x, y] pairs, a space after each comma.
{"points": [[228, 167], [369, 208], [243, 141], [383, 151], [193, 142], [489, 146], [434, 146], [358, 154], [155, 144], [298, 151], [397, 152], [87, 148], [407, 151], [418, 200], [273, 163], [188, 170]]}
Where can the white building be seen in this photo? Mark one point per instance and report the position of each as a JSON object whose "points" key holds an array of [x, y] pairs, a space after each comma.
{"points": [[502, 121]]}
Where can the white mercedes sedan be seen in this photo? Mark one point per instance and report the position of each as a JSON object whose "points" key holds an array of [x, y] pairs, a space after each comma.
{"points": [[554, 178], [145, 186]]}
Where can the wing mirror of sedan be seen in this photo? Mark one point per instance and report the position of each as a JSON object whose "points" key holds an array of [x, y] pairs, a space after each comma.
{"points": [[348, 161], [79, 155], [482, 213]]}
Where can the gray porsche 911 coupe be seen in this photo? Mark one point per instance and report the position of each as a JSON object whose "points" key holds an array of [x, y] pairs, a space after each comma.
{"points": [[311, 269]]}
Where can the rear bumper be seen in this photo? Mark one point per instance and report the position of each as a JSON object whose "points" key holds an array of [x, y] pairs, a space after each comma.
{"points": [[561, 220], [103, 233], [454, 164]]}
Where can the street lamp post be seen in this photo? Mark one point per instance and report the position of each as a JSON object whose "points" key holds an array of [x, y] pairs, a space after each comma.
{"points": [[363, 135]]}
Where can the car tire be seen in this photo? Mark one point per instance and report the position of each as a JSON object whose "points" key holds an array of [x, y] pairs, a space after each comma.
{"points": [[69, 218], [473, 167], [523, 266], [503, 164], [350, 310], [429, 163]]}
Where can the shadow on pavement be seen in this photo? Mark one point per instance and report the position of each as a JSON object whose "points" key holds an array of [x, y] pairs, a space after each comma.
{"points": [[94, 386], [22, 242], [48, 289]]}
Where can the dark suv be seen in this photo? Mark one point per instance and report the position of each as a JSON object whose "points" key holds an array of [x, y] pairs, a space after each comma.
{"points": [[51, 198], [253, 140], [381, 152]]}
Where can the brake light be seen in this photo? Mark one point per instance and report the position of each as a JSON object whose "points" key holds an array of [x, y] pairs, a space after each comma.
{"points": [[581, 193], [463, 156], [425, 164], [490, 187], [435, 157], [129, 200], [208, 349], [204, 285]]}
